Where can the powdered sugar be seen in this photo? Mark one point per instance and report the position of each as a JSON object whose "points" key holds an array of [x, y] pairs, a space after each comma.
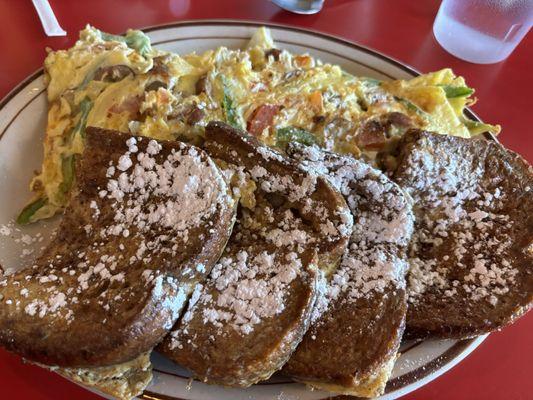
{"points": [[250, 288], [5, 230], [250, 283], [463, 235], [124, 162], [192, 192], [375, 258], [151, 198], [462, 232]]}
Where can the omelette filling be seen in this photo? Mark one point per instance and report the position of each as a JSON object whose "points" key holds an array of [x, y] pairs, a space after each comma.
{"points": [[123, 83]]}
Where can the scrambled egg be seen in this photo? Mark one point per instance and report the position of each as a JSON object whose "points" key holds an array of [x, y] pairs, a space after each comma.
{"points": [[122, 83]]}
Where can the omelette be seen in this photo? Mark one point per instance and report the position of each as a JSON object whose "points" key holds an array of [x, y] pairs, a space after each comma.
{"points": [[123, 83]]}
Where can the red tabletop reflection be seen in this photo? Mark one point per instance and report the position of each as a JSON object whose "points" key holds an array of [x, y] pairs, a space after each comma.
{"points": [[501, 367]]}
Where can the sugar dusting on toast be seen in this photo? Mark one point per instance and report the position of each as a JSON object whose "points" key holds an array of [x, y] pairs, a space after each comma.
{"points": [[357, 324], [192, 192], [257, 303], [248, 285], [469, 231], [383, 224], [154, 200], [463, 215], [250, 289], [298, 187]]}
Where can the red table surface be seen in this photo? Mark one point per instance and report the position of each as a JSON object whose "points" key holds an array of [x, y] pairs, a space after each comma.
{"points": [[501, 367]]}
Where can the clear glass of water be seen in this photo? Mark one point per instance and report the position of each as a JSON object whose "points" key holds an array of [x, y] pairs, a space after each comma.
{"points": [[482, 31]]}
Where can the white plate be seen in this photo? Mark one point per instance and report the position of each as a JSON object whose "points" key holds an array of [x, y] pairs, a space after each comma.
{"points": [[22, 124]]}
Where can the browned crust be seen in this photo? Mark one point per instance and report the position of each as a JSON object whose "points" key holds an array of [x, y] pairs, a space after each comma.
{"points": [[361, 347], [221, 138], [458, 317], [225, 357], [228, 357], [150, 310], [352, 347]]}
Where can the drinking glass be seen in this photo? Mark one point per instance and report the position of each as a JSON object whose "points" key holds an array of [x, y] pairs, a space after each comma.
{"points": [[482, 31]]}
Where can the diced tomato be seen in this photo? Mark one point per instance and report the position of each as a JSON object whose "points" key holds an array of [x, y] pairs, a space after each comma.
{"points": [[262, 118], [316, 100], [303, 61]]}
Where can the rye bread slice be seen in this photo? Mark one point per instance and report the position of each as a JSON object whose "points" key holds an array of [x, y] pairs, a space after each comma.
{"points": [[472, 252], [245, 322], [145, 223], [355, 334], [317, 202]]}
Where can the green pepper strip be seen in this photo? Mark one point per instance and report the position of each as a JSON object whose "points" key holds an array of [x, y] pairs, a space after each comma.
{"points": [[476, 127], [134, 40], [411, 106], [67, 168], [67, 162], [85, 107], [27, 212], [88, 78], [227, 105], [292, 134], [456, 91]]}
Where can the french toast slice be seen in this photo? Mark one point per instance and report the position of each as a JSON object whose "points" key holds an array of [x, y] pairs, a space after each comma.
{"points": [[355, 334], [317, 202], [245, 322], [146, 222], [242, 325], [472, 253]]}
